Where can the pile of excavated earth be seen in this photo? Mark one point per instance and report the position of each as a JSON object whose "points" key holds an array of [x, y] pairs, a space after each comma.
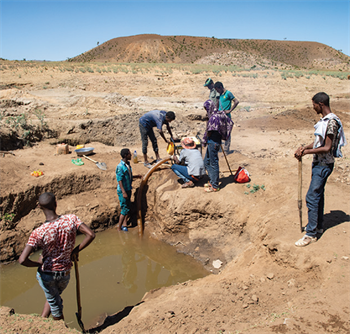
{"points": [[243, 235]]}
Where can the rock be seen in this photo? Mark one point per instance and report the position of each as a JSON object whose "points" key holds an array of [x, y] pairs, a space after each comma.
{"points": [[217, 264], [291, 282], [196, 117], [255, 298], [4, 311], [270, 276], [170, 314], [345, 258]]}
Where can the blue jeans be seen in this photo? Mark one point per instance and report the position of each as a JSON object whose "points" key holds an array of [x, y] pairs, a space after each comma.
{"points": [[124, 202], [182, 173], [53, 287], [315, 197], [211, 161]]}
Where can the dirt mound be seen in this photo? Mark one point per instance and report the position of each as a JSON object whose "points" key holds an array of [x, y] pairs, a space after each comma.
{"points": [[204, 50]]}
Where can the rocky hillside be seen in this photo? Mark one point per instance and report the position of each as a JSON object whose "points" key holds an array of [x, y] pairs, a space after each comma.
{"points": [[239, 52]]}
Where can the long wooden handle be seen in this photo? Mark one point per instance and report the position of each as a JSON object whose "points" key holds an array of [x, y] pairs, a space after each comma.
{"points": [[78, 286], [90, 159], [300, 186], [226, 159]]}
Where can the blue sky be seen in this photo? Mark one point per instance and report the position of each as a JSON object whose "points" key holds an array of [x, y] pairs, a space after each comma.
{"points": [[57, 30]]}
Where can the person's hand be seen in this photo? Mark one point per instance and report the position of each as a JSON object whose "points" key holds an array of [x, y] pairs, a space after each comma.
{"points": [[75, 254], [299, 152], [125, 195]]}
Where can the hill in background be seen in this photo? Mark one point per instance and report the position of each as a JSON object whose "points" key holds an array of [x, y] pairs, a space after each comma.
{"points": [[204, 50]]}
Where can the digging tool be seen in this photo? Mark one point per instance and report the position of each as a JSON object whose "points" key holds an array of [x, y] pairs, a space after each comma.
{"points": [[300, 202], [226, 160], [78, 314], [100, 165]]}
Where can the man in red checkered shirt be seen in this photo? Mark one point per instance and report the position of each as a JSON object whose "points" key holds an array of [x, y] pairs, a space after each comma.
{"points": [[56, 238]]}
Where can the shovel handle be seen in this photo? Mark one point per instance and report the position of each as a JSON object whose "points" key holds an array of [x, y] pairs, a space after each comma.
{"points": [[300, 186], [77, 286], [222, 149], [90, 159]]}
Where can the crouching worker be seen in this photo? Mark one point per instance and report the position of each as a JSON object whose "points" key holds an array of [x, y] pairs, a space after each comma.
{"points": [[56, 238], [124, 178], [193, 168]]}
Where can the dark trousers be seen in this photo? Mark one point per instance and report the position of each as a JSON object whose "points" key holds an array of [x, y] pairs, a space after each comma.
{"points": [[144, 137]]}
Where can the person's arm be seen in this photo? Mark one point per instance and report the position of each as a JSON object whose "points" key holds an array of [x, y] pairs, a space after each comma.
{"points": [[170, 133], [301, 151], [234, 105], [217, 98], [176, 160], [162, 135], [24, 258], [125, 195], [89, 237]]}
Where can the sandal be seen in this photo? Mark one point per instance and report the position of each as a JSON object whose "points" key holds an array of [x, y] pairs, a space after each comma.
{"points": [[211, 189], [207, 185], [305, 240], [188, 185], [147, 164]]}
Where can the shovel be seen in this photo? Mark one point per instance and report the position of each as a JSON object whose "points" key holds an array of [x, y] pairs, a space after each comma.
{"points": [[226, 160], [100, 165], [300, 202], [78, 314]]}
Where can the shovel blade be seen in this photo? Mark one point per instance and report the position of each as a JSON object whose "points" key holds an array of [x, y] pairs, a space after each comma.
{"points": [[80, 322], [101, 165]]}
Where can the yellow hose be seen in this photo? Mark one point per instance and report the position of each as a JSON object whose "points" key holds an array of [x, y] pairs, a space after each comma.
{"points": [[139, 194]]}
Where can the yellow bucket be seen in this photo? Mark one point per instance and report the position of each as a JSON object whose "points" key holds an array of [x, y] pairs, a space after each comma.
{"points": [[170, 148]]}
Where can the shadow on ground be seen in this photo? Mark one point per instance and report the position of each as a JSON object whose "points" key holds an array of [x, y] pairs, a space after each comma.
{"points": [[112, 320], [334, 218]]}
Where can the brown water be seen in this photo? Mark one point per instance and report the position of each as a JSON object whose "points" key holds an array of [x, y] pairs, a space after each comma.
{"points": [[116, 270]]}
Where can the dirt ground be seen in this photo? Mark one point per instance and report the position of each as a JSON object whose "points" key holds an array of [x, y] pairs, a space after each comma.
{"points": [[264, 284]]}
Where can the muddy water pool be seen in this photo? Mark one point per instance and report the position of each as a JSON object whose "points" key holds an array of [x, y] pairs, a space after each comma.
{"points": [[116, 270]]}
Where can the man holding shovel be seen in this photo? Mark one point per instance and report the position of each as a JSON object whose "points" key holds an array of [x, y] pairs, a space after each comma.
{"points": [[329, 138], [56, 238]]}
